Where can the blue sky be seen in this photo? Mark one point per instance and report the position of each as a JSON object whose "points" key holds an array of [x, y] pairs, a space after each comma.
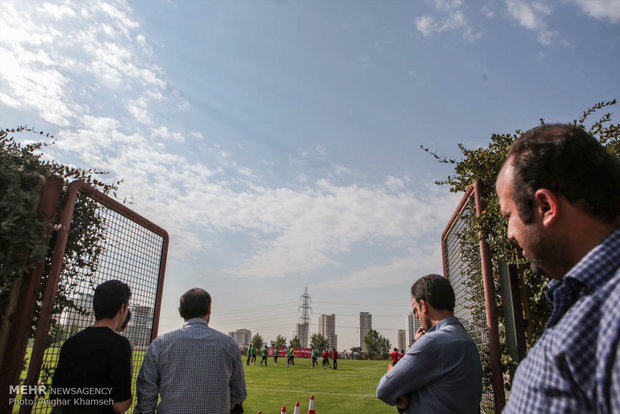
{"points": [[278, 141]]}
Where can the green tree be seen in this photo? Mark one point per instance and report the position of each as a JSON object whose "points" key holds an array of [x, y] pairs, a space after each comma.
{"points": [[280, 342], [23, 171], [257, 341], [318, 341], [295, 342], [483, 164], [376, 345]]}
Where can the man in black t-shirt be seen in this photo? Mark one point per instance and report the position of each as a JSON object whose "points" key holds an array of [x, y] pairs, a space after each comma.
{"points": [[94, 369]]}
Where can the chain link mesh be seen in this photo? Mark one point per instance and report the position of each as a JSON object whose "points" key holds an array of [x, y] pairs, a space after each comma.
{"points": [[130, 253], [464, 270]]}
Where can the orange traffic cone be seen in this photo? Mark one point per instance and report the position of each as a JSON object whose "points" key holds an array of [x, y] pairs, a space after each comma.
{"points": [[283, 410], [311, 406], [297, 409]]}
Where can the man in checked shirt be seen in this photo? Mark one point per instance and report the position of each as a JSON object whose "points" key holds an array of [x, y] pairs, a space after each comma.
{"points": [[194, 369], [560, 191]]}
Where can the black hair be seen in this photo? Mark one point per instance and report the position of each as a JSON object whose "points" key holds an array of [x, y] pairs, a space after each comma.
{"points": [[126, 321], [434, 290], [109, 297], [567, 160], [195, 304]]}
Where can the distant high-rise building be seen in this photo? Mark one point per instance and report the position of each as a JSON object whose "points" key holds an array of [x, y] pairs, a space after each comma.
{"points": [[243, 337], [302, 334], [402, 341], [412, 326], [365, 326], [327, 328], [140, 326]]}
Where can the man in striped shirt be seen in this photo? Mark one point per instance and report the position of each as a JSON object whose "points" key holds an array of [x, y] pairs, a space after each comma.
{"points": [[560, 191], [195, 369]]}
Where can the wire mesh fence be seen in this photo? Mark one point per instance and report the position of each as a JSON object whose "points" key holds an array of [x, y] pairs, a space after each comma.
{"points": [[128, 251], [462, 266]]}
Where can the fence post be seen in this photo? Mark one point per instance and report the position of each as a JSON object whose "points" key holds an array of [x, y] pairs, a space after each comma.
{"points": [[491, 313], [51, 287], [21, 317], [513, 313]]}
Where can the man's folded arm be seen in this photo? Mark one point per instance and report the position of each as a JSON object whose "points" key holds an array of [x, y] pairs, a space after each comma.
{"points": [[412, 372]]}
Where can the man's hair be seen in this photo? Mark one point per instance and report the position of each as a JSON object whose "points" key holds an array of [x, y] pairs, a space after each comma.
{"points": [[126, 321], [434, 290], [109, 297], [195, 303], [567, 160]]}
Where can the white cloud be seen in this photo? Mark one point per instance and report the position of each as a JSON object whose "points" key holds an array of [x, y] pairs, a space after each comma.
{"points": [[531, 15], [138, 108], [448, 4], [399, 272], [426, 25], [313, 226], [164, 133], [394, 183], [488, 11], [601, 9], [452, 19], [56, 11], [49, 46], [528, 14]]}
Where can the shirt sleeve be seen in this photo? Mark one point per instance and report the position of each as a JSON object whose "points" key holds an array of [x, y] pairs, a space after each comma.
{"points": [[614, 392], [120, 370], [238, 391], [415, 370], [149, 380]]}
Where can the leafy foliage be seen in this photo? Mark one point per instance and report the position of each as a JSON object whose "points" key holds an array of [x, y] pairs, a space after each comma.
{"points": [[483, 165], [23, 171], [318, 341], [376, 345], [280, 342], [257, 341], [295, 343]]}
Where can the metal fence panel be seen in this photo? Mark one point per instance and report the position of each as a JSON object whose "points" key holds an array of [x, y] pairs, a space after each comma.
{"points": [[463, 266], [133, 250]]}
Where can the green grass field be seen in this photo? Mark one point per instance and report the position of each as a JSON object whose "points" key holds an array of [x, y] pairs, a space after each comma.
{"points": [[350, 389]]}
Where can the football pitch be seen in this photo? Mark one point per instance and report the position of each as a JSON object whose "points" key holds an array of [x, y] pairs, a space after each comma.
{"points": [[349, 390]]}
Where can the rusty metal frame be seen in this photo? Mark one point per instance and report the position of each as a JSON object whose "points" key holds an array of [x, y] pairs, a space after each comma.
{"points": [[489, 291], [24, 291], [62, 236]]}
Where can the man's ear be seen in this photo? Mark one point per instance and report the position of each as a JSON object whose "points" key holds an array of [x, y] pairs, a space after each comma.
{"points": [[424, 306], [546, 206]]}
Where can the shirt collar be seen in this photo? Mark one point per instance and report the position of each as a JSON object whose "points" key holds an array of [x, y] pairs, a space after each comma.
{"points": [[593, 270], [451, 320], [587, 276], [195, 321]]}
